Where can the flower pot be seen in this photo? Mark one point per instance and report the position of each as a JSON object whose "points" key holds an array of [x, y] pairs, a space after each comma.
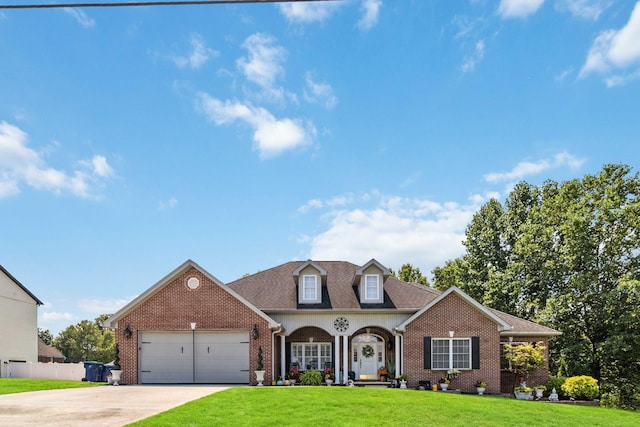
{"points": [[292, 381], [403, 384], [260, 377], [539, 392], [523, 395], [329, 382], [480, 390], [444, 386], [115, 376]]}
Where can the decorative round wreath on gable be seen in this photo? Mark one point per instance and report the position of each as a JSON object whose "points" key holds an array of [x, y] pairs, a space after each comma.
{"points": [[368, 351]]}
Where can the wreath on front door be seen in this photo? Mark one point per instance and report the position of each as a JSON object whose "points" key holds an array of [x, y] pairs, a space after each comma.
{"points": [[368, 351]]}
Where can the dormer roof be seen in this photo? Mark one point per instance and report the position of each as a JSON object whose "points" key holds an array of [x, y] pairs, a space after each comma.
{"points": [[359, 272]]}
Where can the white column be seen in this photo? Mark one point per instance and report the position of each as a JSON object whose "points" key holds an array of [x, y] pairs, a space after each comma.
{"points": [[283, 368], [345, 358], [398, 355], [336, 365]]}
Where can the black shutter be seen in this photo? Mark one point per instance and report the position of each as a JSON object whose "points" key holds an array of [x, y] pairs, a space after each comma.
{"points": [[427, 352], [475, 352], [287, 357]]}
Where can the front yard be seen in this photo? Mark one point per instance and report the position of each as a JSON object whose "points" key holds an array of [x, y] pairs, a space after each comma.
{"points": [[19, 385], [367, 407]]}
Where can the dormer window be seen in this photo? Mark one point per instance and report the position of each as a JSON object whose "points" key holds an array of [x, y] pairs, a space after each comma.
{"points": [[310, 288], [372, 287]]}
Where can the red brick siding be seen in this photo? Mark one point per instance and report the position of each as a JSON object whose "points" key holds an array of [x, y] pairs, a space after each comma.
{"points": [[454, 314], [175, 306]]}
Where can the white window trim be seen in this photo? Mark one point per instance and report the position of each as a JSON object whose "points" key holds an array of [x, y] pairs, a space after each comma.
{"points": [[302, 365], [450, 366], [366, 293], [315, 289]]}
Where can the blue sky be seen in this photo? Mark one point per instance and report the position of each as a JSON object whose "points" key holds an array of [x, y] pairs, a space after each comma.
{"points": [[245, 136]]}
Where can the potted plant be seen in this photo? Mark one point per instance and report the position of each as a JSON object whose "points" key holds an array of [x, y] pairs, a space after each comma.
{"points": [[523, 392], [403, 380], [260, 368], [382, 373], [540, 389], [117, 369], [444, 383], [293, 375], [329, 378], [481, 386]]}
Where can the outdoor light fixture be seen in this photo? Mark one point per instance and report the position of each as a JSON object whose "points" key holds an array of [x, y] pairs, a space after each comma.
{"points": [[451, 334], [193, 325], [127, 332], [254, 332]]}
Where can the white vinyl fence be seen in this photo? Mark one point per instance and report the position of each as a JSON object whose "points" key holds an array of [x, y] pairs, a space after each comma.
{"points": [[47, 371]]}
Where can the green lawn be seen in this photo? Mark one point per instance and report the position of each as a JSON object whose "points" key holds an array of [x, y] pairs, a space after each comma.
{"points": [[346, 406], [19, 385]]}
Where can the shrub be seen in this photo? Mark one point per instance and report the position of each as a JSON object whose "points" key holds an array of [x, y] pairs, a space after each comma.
{"points": [[311, 377], [623, 394], [556, 382], [581, 387]]}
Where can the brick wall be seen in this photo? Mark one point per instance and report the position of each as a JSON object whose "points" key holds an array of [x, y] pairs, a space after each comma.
{"points": [[175, 306], [454, 313]]}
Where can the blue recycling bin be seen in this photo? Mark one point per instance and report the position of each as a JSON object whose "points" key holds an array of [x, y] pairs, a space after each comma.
{"points": [[93, 371], [106, 370]]}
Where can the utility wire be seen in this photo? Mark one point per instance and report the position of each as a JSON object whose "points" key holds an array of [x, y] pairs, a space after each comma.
{"points": [[148, 3]]}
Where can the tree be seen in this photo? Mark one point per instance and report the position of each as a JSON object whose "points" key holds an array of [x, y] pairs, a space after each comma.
{"points": [[525, 359], [46, 336], [411, 274], [86, 341]]}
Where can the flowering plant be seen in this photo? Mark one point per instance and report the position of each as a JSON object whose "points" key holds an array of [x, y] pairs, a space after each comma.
{"points": [[445, 380], [293, 373], [453, 373], [382, 370], [328, 374], [481, 384]]}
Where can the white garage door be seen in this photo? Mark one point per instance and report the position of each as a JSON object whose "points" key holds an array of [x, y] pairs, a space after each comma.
{"points": [[188, 357]]}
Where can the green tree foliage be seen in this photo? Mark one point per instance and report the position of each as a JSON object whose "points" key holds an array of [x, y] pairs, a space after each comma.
{"points": [[87, 340], [566, 255], [581, 387], [411, 274], [525, 359], [46, 336]]}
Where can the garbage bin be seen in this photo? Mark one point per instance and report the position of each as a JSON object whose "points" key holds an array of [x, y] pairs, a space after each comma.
{"points": [[106, 370], [93, 371]]}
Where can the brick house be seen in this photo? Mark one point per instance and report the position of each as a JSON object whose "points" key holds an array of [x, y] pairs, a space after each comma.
{"points": [[192, 328]]}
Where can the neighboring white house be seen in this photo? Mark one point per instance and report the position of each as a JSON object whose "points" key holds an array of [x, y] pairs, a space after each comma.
{"points": [[18, 322]]}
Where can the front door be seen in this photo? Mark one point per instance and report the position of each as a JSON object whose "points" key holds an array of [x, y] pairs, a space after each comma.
{"points": [[365, 360]]}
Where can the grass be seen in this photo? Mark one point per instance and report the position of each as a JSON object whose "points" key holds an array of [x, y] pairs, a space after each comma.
{"points": [[346, 406], [20, 385]]}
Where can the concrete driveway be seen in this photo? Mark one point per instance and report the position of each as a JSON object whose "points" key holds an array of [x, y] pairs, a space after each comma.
{"points": [[96, 406]]}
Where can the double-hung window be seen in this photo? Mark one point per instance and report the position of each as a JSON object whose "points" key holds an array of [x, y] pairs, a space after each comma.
{"points": [[311, 355], [451, 353], [310, 288], [372, 287]]}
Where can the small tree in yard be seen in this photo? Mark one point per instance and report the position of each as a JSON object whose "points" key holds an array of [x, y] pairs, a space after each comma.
{"points": [[525, 359]]}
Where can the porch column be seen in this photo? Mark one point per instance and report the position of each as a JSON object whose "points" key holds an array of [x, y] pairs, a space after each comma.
{"points": [[283, 368], [398, 355], [336, 368], [345, 358]]}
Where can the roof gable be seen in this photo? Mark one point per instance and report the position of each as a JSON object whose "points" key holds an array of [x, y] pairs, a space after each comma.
{"points": [[113, 320], [21, 286], [502, 325]]}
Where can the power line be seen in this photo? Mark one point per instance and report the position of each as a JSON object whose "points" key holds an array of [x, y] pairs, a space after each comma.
{"points": [[149, 3]]}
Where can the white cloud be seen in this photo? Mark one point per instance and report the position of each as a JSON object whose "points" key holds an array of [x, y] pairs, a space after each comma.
{"points": [[306, 13], [518, 8], [616, 49], [198, 56], [102, 305], [271, 136], [370, 12], [80, 16], [169, 204], [524, 169], [586, 9], [560, 78], [395, 231], [52, 316], [21, 164], [264, 63], [472, 60], [319, 92]]}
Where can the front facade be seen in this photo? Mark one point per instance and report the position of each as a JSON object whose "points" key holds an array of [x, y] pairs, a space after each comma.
{"points": [[18, 322], [353, 320]]}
